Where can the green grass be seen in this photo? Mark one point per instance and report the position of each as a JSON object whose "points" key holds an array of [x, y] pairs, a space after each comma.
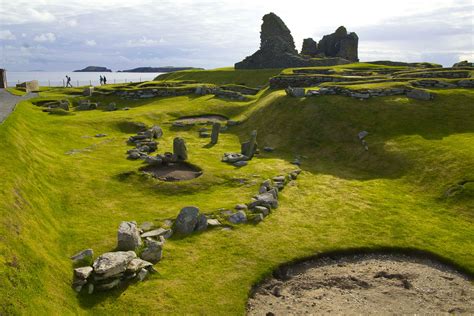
{"points": [[17, 91], [53, 204], [221, 76]]}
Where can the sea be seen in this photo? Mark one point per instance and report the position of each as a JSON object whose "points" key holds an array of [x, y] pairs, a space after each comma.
{"points": [[58, 79]]}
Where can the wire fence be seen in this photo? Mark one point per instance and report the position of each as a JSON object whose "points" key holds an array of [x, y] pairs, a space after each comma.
{"points": [[80, 83]]}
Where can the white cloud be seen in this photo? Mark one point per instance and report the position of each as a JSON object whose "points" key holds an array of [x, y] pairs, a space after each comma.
{"points": [[71, 22], [144, 42], [90, 43], [40, 15], [7, 35], [45, 37]]}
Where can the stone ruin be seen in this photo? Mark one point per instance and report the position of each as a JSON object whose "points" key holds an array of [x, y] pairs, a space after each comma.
{"points": [[29, 86], [277, 48], [338, 44]]}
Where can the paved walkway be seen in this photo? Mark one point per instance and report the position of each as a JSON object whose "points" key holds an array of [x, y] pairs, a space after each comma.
{"points": [[8, 102]]}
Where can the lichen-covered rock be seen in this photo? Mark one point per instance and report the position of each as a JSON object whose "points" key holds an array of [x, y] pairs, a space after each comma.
{"points": [[201, 224], [137, 264], [83, 256], [179, 148], [83, 272], [186, 221], [238, 218], [128, 236], [111, 264], [153, 251]]}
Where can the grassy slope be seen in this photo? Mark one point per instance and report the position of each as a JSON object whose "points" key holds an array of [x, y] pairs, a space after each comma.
{"points": [[53, 204]]}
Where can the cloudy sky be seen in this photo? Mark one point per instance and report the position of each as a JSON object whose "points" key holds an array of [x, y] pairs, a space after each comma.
{"points": [[71, 34]]}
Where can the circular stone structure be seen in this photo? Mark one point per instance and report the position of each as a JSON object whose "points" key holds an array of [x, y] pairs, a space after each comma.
{"points": [[174, 171], [364, 284]]}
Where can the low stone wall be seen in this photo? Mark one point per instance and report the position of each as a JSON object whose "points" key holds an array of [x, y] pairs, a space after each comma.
{"points": [[285, 81], [435, 74], [358, 94], [433, 83], [152, 93]]}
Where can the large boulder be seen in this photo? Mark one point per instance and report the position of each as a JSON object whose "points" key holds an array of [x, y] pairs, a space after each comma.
{"points": [[179, 148], [128, 236], [111, 264], [187, 220], [340, 44]]}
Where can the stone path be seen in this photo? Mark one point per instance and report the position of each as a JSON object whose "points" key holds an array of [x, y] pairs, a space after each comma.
{"points": [[8, 102]]}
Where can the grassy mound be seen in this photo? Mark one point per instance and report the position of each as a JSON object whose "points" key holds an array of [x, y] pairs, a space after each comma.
{"points": [[63, 190]]}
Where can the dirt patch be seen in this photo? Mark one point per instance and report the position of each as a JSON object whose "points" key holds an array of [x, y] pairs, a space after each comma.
{"points": [[175, 171], [364, 284], [211, 118]]}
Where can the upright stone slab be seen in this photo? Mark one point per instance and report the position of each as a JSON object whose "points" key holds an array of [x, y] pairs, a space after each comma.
{"points": [[187, 220], [128, 236], [249, 148], [3, 79], [216, 128], [179, 148]]}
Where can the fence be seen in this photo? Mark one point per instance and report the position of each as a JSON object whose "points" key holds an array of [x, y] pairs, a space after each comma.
{"points": [[80, 83]]}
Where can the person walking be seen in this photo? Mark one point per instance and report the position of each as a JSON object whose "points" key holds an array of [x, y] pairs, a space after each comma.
{"points": [[101, 80], [105, 80], [68, 81]]}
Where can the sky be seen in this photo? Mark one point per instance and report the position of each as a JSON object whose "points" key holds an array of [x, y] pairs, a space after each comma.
{"points": [[53, 35]]}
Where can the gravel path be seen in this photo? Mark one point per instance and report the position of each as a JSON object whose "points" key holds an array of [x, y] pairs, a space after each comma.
{"points": [[8, 102], [365, 285]]}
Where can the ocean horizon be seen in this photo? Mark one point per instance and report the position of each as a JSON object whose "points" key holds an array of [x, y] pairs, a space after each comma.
{"points": [[57, 78]]}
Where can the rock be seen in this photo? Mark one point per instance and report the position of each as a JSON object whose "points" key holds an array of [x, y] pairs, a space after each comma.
{"points": [[213, 222], [295, 92], [418, 94], [134, 155], [153, 161], [186, 220], [83, 272], [234, 157], [279, 179], [110, 264], [261, 209], [265, 199], [201, 223], [241, 207], [296, 162], [310, 47], [100, 135], [87, 92], [258, 218], [29, 86], [216, 127], [128, 236], [137, 264], [249, 148], [142, 275], [90, 288], [85, 255], [237, 218], [157, 233], [241, 163], [108, 285], [268, 149], [153, 251], [362, 134], [156, 131], [146, 226], [112, 107], [179, 148], [340, 44]]}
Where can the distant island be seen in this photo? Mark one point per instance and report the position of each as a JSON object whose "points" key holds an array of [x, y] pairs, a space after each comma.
{"points": [[94, 69], [159, 69]]}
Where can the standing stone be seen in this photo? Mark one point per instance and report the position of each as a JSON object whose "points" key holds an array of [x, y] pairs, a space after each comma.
{"points": [[249, 148], [3, 79], [216, 128], [186, 221], [128, 236], [156, 131], [179, 148]]}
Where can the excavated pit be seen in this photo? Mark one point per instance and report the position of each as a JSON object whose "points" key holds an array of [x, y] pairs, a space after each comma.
{"points": [[174, 171], [364, 284]]}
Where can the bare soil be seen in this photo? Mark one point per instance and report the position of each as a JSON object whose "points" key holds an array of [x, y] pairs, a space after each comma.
{"points": [[364, 284], [177, 171]]}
